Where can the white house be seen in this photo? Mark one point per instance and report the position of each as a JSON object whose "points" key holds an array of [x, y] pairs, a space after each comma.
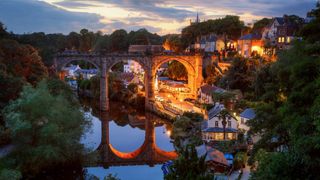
{"points": [[214, 131], [246, 115], [206, 92], [71, 70], [86, 73], [133, 67]]}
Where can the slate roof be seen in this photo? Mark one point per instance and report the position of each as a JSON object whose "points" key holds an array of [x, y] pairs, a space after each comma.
{"points": [[219, 130], [280, 20], [251, 37], [212, 154], [215, 110], [207, 89], [248, 113]]}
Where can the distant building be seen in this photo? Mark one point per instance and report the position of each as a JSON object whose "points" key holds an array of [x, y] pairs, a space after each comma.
{"points": [[86, 73], [133, 67], [70, 71], [214, 130], [281, 32], [206, 92], [250, 45], [197, 20]]}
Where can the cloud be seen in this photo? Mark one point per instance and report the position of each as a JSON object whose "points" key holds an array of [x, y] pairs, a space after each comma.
{"points": [[22, 16], [161, 16]]}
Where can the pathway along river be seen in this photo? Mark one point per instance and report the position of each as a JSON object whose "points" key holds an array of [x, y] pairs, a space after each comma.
{"points": [[126, 134]]}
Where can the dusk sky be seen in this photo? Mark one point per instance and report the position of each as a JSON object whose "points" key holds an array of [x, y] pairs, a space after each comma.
{"points": [[158, 16]]}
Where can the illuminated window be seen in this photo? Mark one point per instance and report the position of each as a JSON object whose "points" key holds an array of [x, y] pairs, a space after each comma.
{"points": [[288, 39], [282, 39], [279, 40]]}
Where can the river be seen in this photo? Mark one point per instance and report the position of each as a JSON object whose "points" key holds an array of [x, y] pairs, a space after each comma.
{"points": [[125, 129]]}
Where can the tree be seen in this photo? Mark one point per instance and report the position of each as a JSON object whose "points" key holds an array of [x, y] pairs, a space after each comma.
{"points": [[177, 71], [187, 130], [86, 40], [311, 31], [223, 117], [22, 61], [174, 43], [239, 76], [260, 25], [3, 32], [189, 166], [44, 138], [288, 116], [119, 42], [213, 74]]}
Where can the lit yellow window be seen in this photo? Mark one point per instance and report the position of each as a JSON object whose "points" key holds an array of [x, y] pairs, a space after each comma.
{"points": [[283, 39], [288, 39], [279, 39]]}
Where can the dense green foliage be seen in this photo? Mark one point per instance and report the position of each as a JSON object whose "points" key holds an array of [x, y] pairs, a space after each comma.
{"points": [[240, 75], [189, 166], [174, 43], [311, 31], [177, 71], [187, 130], [213, 74], [45, 137], [260, 25], [229, 27], [288, 116]]}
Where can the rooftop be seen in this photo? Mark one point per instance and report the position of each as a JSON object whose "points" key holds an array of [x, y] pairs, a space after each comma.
{"points": [[248, 113], [207, 89]]}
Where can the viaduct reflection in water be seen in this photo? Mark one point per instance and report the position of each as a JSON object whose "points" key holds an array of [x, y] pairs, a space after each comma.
{"points": [[147, 154]]}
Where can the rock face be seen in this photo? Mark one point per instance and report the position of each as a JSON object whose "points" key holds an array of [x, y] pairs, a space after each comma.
{"points": [[150, 64]]}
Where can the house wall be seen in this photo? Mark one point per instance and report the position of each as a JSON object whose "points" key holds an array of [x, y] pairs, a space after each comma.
{"points": [[205, 98], [212, 122]]}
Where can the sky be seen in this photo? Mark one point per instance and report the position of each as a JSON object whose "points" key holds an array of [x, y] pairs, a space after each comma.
{"points": [[157, 16]]}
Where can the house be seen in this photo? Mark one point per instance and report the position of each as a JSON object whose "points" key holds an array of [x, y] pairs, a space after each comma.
{"points": [[86, 73], [246, 115], [281, 32], [250, 45], [70, 71], [214, 159], [210, 43], [206, 92], [133, 67], [215, 129]]}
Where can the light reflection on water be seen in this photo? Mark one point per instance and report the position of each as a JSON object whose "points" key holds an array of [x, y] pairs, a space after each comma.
{"points": [[126, 135]]}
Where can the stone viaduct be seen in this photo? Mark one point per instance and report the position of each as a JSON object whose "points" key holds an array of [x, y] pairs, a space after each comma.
{"points": [[150, 64], [147, 154]]}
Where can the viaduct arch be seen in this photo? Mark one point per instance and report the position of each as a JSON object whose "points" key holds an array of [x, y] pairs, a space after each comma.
{"points": [[150, 64]]}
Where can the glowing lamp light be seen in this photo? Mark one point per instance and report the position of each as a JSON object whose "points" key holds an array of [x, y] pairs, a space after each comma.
{"points": [[168, 133], [256, 48]]}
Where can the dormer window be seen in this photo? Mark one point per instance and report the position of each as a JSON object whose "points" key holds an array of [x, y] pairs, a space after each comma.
{"points": [[216, 124]]}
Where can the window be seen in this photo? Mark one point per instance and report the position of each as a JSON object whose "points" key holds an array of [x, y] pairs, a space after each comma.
{"points": [[229, 124], [281, 40], [242, 120], [216, 123], [288, 40]]}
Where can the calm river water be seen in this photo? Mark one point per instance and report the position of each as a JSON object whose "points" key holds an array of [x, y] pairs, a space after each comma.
{"points": [[126, 134]]}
